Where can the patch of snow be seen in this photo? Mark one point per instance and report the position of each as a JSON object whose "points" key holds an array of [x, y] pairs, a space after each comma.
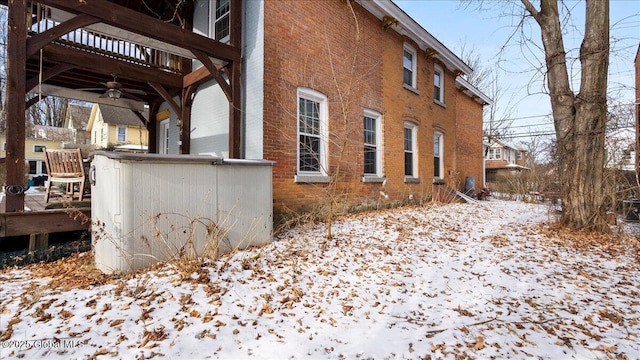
{"points": [[438, 281]]}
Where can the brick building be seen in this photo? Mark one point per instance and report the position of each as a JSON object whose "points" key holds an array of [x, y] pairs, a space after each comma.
{"points": [[353, 100]]}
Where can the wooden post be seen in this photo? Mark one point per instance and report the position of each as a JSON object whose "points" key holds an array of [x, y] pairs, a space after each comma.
{"points": [[37, 241], [235, 105], [16, 93]]}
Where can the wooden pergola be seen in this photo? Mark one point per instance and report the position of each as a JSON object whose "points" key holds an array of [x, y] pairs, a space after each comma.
{"points": [[64, 47]]}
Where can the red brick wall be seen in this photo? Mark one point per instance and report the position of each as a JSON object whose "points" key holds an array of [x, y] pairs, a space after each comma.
{"points": [[317, 45], [469, 149]]}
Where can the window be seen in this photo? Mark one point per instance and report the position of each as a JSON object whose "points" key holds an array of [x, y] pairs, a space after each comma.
{"points": [[410, 150], [409, 67], [438, 151], [220, 19], [438, 84], [122, 134], [33, 170], [493, 154], [372, 144], [519, 155], [312, 115], [39, 148]]}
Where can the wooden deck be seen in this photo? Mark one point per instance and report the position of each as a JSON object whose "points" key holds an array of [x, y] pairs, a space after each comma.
{"points": [[59, 215]]}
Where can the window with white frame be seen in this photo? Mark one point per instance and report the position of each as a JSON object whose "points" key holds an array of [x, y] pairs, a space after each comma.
{"points": [[312, 119], [409, 62], [372, 144], [494, 154], [519, 155], [220, 14], [410, 150], [438, 155], [39, 148], [122, 134], [438, 84]]}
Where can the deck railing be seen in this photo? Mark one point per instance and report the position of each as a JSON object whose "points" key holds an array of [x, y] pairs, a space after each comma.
{"points": [[106, 45]]}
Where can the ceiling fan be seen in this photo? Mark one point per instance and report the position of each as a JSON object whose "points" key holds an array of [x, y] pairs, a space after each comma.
{"points": [[114, 90]]}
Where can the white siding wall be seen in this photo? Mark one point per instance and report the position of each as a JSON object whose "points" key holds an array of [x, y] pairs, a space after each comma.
{"points": [[253, 79], [210, 121], [210, 110]]}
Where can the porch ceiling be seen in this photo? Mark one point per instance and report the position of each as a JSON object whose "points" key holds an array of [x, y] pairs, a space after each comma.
{"points": [[159, 26]]}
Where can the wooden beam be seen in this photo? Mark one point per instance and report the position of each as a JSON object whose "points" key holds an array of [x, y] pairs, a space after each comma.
{"points": [[185, 123], [87, 61], [197, 77], [131, 20], [166, 96], [36, 42], [213, 70], [58, 69], [34, 100], [235, 113], [234, 71], [46, 221], [15, 102], [152, 126]]}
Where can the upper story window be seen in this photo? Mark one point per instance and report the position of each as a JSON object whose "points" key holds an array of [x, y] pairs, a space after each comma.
{"points": [[372, 144], [409, 61], [122, 134], [410, 150], [494, 154], [220, 19], [438, 84], [312, 144], [519, 155], [39, 148]]}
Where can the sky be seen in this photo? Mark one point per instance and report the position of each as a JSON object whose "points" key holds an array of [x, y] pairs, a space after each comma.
{"points": [[486, 280], [488, 31]]}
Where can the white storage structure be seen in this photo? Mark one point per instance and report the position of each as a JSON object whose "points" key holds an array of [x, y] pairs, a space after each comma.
{"points": [[148, 208]]}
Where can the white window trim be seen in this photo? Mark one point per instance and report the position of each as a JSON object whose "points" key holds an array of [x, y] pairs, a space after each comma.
{"points": [[414, 150], [313, 176], [118, 134], [414, 68], [213, 20], [377, 177], [163, 126], [441, 150], [438, 68], [41, 146]]}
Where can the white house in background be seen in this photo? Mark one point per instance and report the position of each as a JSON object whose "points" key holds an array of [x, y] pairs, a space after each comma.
{"points": [[620, 152]]}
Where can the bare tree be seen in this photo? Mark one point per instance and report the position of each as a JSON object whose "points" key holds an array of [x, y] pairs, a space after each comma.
{"points": [[579, 118], [49, 111], [485, 76]]}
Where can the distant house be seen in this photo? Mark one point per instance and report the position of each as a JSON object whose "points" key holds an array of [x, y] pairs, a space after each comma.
{"points": [[76, 120], [34, 154], [503, 159], [117, 128]]}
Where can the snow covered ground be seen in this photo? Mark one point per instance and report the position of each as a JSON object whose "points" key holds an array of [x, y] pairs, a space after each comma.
{"points": [[437, 282]]}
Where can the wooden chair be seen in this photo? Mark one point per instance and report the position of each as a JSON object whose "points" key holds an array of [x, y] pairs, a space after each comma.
{"points": [[64, 166]]}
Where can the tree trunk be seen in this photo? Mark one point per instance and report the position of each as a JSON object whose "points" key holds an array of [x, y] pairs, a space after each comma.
{"points": [[580, 120]]}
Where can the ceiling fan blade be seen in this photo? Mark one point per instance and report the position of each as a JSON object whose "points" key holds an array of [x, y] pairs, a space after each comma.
{"points": [[103, 96], [92, 89], [134, 91], [130, 96]]}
